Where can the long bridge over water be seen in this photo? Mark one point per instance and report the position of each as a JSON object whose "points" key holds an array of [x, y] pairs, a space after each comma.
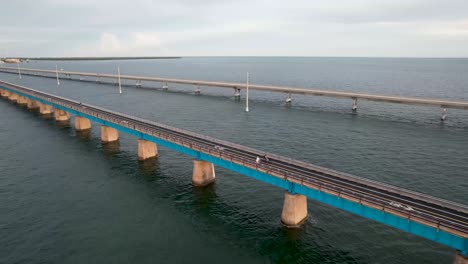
{"points": [[101, 78], [439, 220]]}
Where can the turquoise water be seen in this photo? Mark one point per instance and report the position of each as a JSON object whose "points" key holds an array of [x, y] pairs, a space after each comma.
{"points": [[65, 198]]}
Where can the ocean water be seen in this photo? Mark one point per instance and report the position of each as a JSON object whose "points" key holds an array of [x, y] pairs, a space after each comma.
{"points": [[66, 198]]}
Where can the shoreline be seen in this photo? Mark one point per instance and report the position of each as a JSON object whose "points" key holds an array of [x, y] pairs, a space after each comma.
{"points": [[92, 58]]}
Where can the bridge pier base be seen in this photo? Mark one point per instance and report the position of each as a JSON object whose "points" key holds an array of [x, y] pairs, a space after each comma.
{"points": [[61, 115], [197, 90], [203, 173], [354, 108], [460, 259], [82, 123], [45, 109], [443, 116], [146, 149], [237, 93], [289, 99], [294, 210], [5, 93], [31, 104], [22, 100], [13, 97], [109, 134]]}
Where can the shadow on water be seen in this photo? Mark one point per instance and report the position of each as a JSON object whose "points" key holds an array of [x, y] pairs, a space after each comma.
{"points": [[47, 116], [204, 196], [63, 124], [293, 234], [297, 251], [111, 149], [32, 110], [84, 135], [295, 245], [149, 169]]}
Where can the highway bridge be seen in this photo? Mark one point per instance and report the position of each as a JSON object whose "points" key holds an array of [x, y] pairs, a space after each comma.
{"points": [[100, 77], [439, 220]]}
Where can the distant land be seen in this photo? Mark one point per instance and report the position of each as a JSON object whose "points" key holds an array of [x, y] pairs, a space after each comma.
{"points": [[93, 58]]}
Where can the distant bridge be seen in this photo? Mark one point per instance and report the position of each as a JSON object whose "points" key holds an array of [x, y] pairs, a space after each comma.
{"points": [[444, 104], [439, 220]]}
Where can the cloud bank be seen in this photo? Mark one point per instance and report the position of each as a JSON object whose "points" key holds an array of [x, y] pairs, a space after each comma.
{"points": [[398, 28]]}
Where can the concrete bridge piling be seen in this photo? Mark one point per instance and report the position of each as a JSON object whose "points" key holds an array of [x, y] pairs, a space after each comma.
{"points": [[22, 100], [13, 97], [146, 149], [460, 259], [45, 109], [203, 173], [355, 105], [294, 210], [31, 104], [61, 115], [82, 124], [5, 93], [109, 134]]}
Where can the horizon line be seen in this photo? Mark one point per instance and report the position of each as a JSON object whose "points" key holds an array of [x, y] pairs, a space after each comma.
{"points": [[219, 56]]}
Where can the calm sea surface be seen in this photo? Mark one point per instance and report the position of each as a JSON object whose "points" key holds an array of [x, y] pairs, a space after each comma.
{"points": [[66, 198]]}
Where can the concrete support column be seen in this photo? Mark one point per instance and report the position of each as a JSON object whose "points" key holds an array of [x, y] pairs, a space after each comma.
{"points": [[13, 97], [460, 259], [32, 104], [294, 210], [109, 134], [5, 93], [82, 123], [22, 100], [146, 149], [203, 173], [45, 109], [354, 108], [61, 115]]}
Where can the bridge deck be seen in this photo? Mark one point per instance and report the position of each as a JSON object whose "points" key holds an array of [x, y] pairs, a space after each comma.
{"points": [[461, 104], [430, 211]]}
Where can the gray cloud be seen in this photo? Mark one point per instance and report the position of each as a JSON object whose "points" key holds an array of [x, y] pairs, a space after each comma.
{"points": [[428, 28]]}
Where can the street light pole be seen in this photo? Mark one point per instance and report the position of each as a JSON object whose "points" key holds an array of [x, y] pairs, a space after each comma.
{"points": [[19, 71], [56, 71], [247, 93], [120, 85]]}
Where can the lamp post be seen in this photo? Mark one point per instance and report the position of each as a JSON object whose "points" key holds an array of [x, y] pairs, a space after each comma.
{"points": [[19, 71], [56, 72], [120, 85], [247, 93]]}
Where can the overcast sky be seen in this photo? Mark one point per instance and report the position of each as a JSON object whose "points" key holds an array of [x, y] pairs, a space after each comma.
{"points": [[382, 28]]}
